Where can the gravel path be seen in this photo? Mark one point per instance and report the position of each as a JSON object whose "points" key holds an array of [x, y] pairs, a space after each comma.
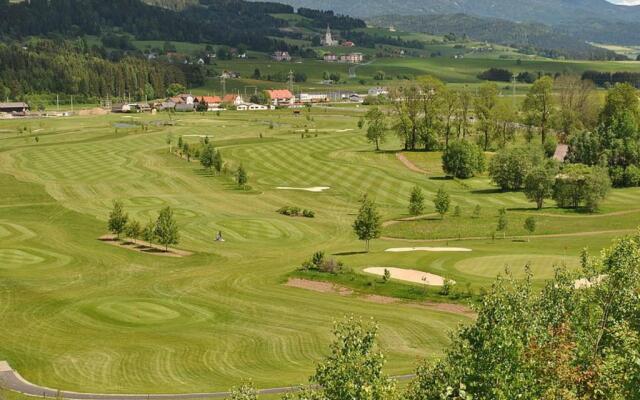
{"points": [[11, 380]]}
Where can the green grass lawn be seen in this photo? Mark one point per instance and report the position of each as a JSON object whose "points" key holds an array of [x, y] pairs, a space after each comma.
{"points": [[78, 314]]}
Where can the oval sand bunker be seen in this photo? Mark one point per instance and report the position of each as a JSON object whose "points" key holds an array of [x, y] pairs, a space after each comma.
{"points": [[315, 189], [431, 249], [409, 275]]}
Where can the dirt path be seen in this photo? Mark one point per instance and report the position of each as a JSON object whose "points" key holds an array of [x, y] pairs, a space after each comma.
{"points": [[144, 247], [11, 380], [408, 219], [407, 163], [552, 235], [611, 214]]}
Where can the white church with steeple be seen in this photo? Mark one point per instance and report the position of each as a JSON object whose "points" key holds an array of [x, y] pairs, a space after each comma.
{"points": [[328, 38]]}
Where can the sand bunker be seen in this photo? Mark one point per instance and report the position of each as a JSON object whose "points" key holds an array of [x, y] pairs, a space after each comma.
{"points": [[409, 275], [585, 283], [315, 189], [431, 249]]}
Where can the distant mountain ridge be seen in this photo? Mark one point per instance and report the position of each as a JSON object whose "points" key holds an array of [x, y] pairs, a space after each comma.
{"points": [[585, 19]]}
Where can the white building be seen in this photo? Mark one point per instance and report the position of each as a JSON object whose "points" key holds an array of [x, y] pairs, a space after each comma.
{"points": [[328, 38], [313, 98], [378, 91]]}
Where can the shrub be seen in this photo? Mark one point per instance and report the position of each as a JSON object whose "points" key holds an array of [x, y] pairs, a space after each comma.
{"points": [[308, 214], [632, 176], [580, 185]]}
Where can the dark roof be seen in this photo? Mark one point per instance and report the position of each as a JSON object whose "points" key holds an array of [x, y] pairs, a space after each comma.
{"points": [[14, 105]]}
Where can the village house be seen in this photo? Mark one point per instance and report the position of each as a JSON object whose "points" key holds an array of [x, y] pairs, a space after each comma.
{"points": [[184, 107], [313, 98], [213, 102], [352, 58], [280, 98], [230, 75], [330, 57], [281, 56], [348, 43]]}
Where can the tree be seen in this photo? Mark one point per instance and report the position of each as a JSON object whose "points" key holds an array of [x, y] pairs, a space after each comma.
{"points": [[463, 159], [432, 107], [509, 166], [485, 105], [218, 163], [376, 127], [353, 369], [166, 230], [450, 104], [538, 185], [386, 277], [368, 223], [503, 221], [442, 202], [465, 102], [246, 391], [476, 211], [576, 104], [416, 201], [175, 89], [622, 100], [241, 177], [580, 185], [149, 232], [539, 104], [530, 226], [133, 230], [207, 157], [117, 219]]}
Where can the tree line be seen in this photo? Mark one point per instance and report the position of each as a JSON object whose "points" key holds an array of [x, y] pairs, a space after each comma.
{"points": [[67, 67]]}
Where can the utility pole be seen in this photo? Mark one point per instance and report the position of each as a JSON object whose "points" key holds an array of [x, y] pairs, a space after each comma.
{"points": [[291, 81], [224, 84], [513, 100], [57, 102], [71, 103]]}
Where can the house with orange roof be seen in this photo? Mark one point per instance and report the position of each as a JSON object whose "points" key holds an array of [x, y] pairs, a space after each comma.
{"points": [[234, 99], [212, 102], [280, 98]]}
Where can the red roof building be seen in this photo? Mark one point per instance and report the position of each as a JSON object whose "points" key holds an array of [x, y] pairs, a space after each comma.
{"points": [[281, 97]]}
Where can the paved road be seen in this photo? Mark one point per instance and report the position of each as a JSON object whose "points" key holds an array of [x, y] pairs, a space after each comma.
{"points": [[11, 380]]}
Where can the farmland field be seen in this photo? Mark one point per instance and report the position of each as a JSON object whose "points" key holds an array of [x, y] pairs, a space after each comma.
{"points": [[78, 314]]}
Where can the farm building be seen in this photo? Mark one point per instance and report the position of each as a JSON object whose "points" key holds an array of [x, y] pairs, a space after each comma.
{"points": [[281, 56], [234, 99], [18, 107]]}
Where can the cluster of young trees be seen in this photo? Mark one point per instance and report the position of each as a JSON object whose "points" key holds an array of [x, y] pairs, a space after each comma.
{"points": [[567, 341], [164, 230]]}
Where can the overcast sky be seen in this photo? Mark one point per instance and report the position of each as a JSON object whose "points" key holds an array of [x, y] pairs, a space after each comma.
{"points": [[626, 2]]}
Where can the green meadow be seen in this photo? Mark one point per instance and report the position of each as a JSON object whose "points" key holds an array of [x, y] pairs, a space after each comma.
{"points": [[79, 314]]}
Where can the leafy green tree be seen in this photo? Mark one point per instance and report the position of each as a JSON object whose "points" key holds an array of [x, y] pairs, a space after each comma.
{"points": [[432, 109], [580, 185], [246, 391], [166, 230], [538, 185], [133, 230], [509, 166], [175, 89], [539, 105], [622, 100], [149, 232], [218, 163], [442, 202], [463, 159], [117, 219], [485, 106], [241, 177], [368, 223], [207, 157], [376, 127], [503, 221], [416, 201], [530, 226], [353, 369]]}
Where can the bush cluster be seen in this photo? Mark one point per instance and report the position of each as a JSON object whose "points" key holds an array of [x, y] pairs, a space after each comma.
{"points": [[319, 262], [293, 211]]}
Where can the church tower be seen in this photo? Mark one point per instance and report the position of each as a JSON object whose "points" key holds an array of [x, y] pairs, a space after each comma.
{"points": [[328, 38]]}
